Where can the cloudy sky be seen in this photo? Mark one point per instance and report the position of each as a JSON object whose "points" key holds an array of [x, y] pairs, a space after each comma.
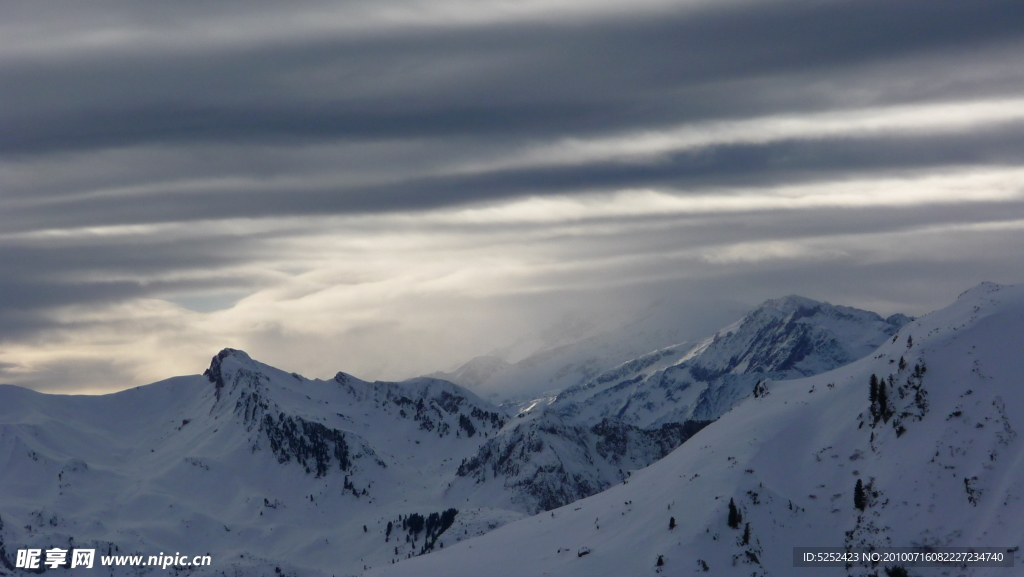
{"points": [[389, 187]]}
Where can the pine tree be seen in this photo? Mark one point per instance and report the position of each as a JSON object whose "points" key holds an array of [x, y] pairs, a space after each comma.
{"points": [[903, 363], [671, 523], [860, 499], [883, 402], [873, 383], [746, 535], [735, 518], [910, 341]]}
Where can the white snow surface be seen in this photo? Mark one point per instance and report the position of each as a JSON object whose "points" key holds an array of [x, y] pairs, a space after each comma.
{"points": [[189, 465], [789, 460]]}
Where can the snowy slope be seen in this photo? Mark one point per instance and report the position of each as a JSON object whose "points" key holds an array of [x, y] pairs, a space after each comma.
{"points": [[255, 466], [941, 460], [783, 338], [589, 437]]}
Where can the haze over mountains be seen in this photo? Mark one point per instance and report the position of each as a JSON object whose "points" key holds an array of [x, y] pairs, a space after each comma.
{"points": [[574, 349], [267, 470]]}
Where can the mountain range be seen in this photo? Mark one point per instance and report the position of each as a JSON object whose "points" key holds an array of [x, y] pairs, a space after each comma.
{"points": [[273, 473], [915, 445]]}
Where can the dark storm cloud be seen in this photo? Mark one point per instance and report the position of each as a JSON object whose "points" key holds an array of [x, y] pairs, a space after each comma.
{"points": [[488, 81], [115, 256], [38, 276], [693, 232], [788, 161], [25, 296], [493, 83]]}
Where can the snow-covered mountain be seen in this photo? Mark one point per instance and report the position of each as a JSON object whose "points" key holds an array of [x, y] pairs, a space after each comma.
{"points": [[573, 351], [265, 469], [784, 338], [589, 437], [917, 444], [254, 466]]}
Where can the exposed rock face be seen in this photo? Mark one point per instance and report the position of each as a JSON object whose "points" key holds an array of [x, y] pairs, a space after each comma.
{"points": [[548, 463]]}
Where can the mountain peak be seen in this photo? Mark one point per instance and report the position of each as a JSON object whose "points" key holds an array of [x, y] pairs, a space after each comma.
{"points": [[475, 372], [798, 307], [215, 371], [342, 378], [898, 319], [984, 288], [792, 303]]}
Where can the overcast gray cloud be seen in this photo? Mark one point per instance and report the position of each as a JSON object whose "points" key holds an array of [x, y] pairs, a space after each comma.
{"points": [[391, 187]]}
